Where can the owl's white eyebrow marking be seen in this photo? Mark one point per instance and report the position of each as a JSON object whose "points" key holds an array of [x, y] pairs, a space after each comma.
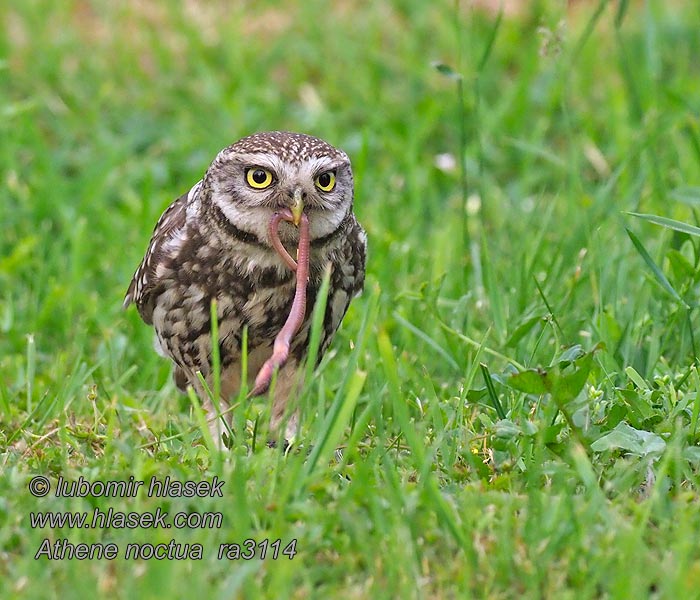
{"points": [[319, 165], [258, 159]]}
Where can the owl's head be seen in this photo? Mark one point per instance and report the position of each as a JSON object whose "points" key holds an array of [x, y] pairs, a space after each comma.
{"points": [[265, 172]]}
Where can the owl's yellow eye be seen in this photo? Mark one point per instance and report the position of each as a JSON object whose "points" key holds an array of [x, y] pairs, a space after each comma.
{"points": [[325, 181], [258, 178]]}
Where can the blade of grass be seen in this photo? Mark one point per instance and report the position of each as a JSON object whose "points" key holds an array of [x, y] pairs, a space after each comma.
{"points": [[492, 391], [347, 394], [215, 357], [359, 429], [696, 403], [201, 419], [668, 223], [428, 340], [336, 421], [443, 511], [31, 370], [590, 27], [317, 324], [217, 405], [658, 274]]}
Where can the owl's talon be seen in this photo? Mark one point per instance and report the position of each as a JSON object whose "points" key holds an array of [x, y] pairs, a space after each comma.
{"points": [[273, 444]]}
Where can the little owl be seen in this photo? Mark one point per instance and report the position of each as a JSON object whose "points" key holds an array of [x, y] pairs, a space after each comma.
{"points": [[214, 243]]}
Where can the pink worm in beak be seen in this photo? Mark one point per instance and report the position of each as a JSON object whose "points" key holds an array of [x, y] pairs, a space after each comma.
{"points": [[280, 351]]}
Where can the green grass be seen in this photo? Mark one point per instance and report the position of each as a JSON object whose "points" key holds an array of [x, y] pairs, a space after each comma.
{"points": [[515, 396]]}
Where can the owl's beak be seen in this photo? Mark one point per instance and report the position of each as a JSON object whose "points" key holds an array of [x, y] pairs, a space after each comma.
{"points": [[297, 207]]}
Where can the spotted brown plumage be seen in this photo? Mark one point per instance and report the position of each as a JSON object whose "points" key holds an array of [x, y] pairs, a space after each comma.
{"points": [[213, 243]]}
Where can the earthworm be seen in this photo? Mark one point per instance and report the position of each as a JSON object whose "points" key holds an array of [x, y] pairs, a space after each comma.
{"points": [[281, 347], [275, 238]]}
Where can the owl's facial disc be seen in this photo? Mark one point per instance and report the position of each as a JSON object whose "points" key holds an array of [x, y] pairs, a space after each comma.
{"points": [[249, 187]]}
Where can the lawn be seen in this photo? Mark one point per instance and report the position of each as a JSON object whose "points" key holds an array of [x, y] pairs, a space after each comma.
{"points": [[511, 408]]}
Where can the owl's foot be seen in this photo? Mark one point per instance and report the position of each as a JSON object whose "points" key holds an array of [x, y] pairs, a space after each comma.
{"points": [[273, 444]]}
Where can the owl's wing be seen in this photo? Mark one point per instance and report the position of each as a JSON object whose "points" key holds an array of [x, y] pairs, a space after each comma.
{"points": [[347, 280], [171, 222]]}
